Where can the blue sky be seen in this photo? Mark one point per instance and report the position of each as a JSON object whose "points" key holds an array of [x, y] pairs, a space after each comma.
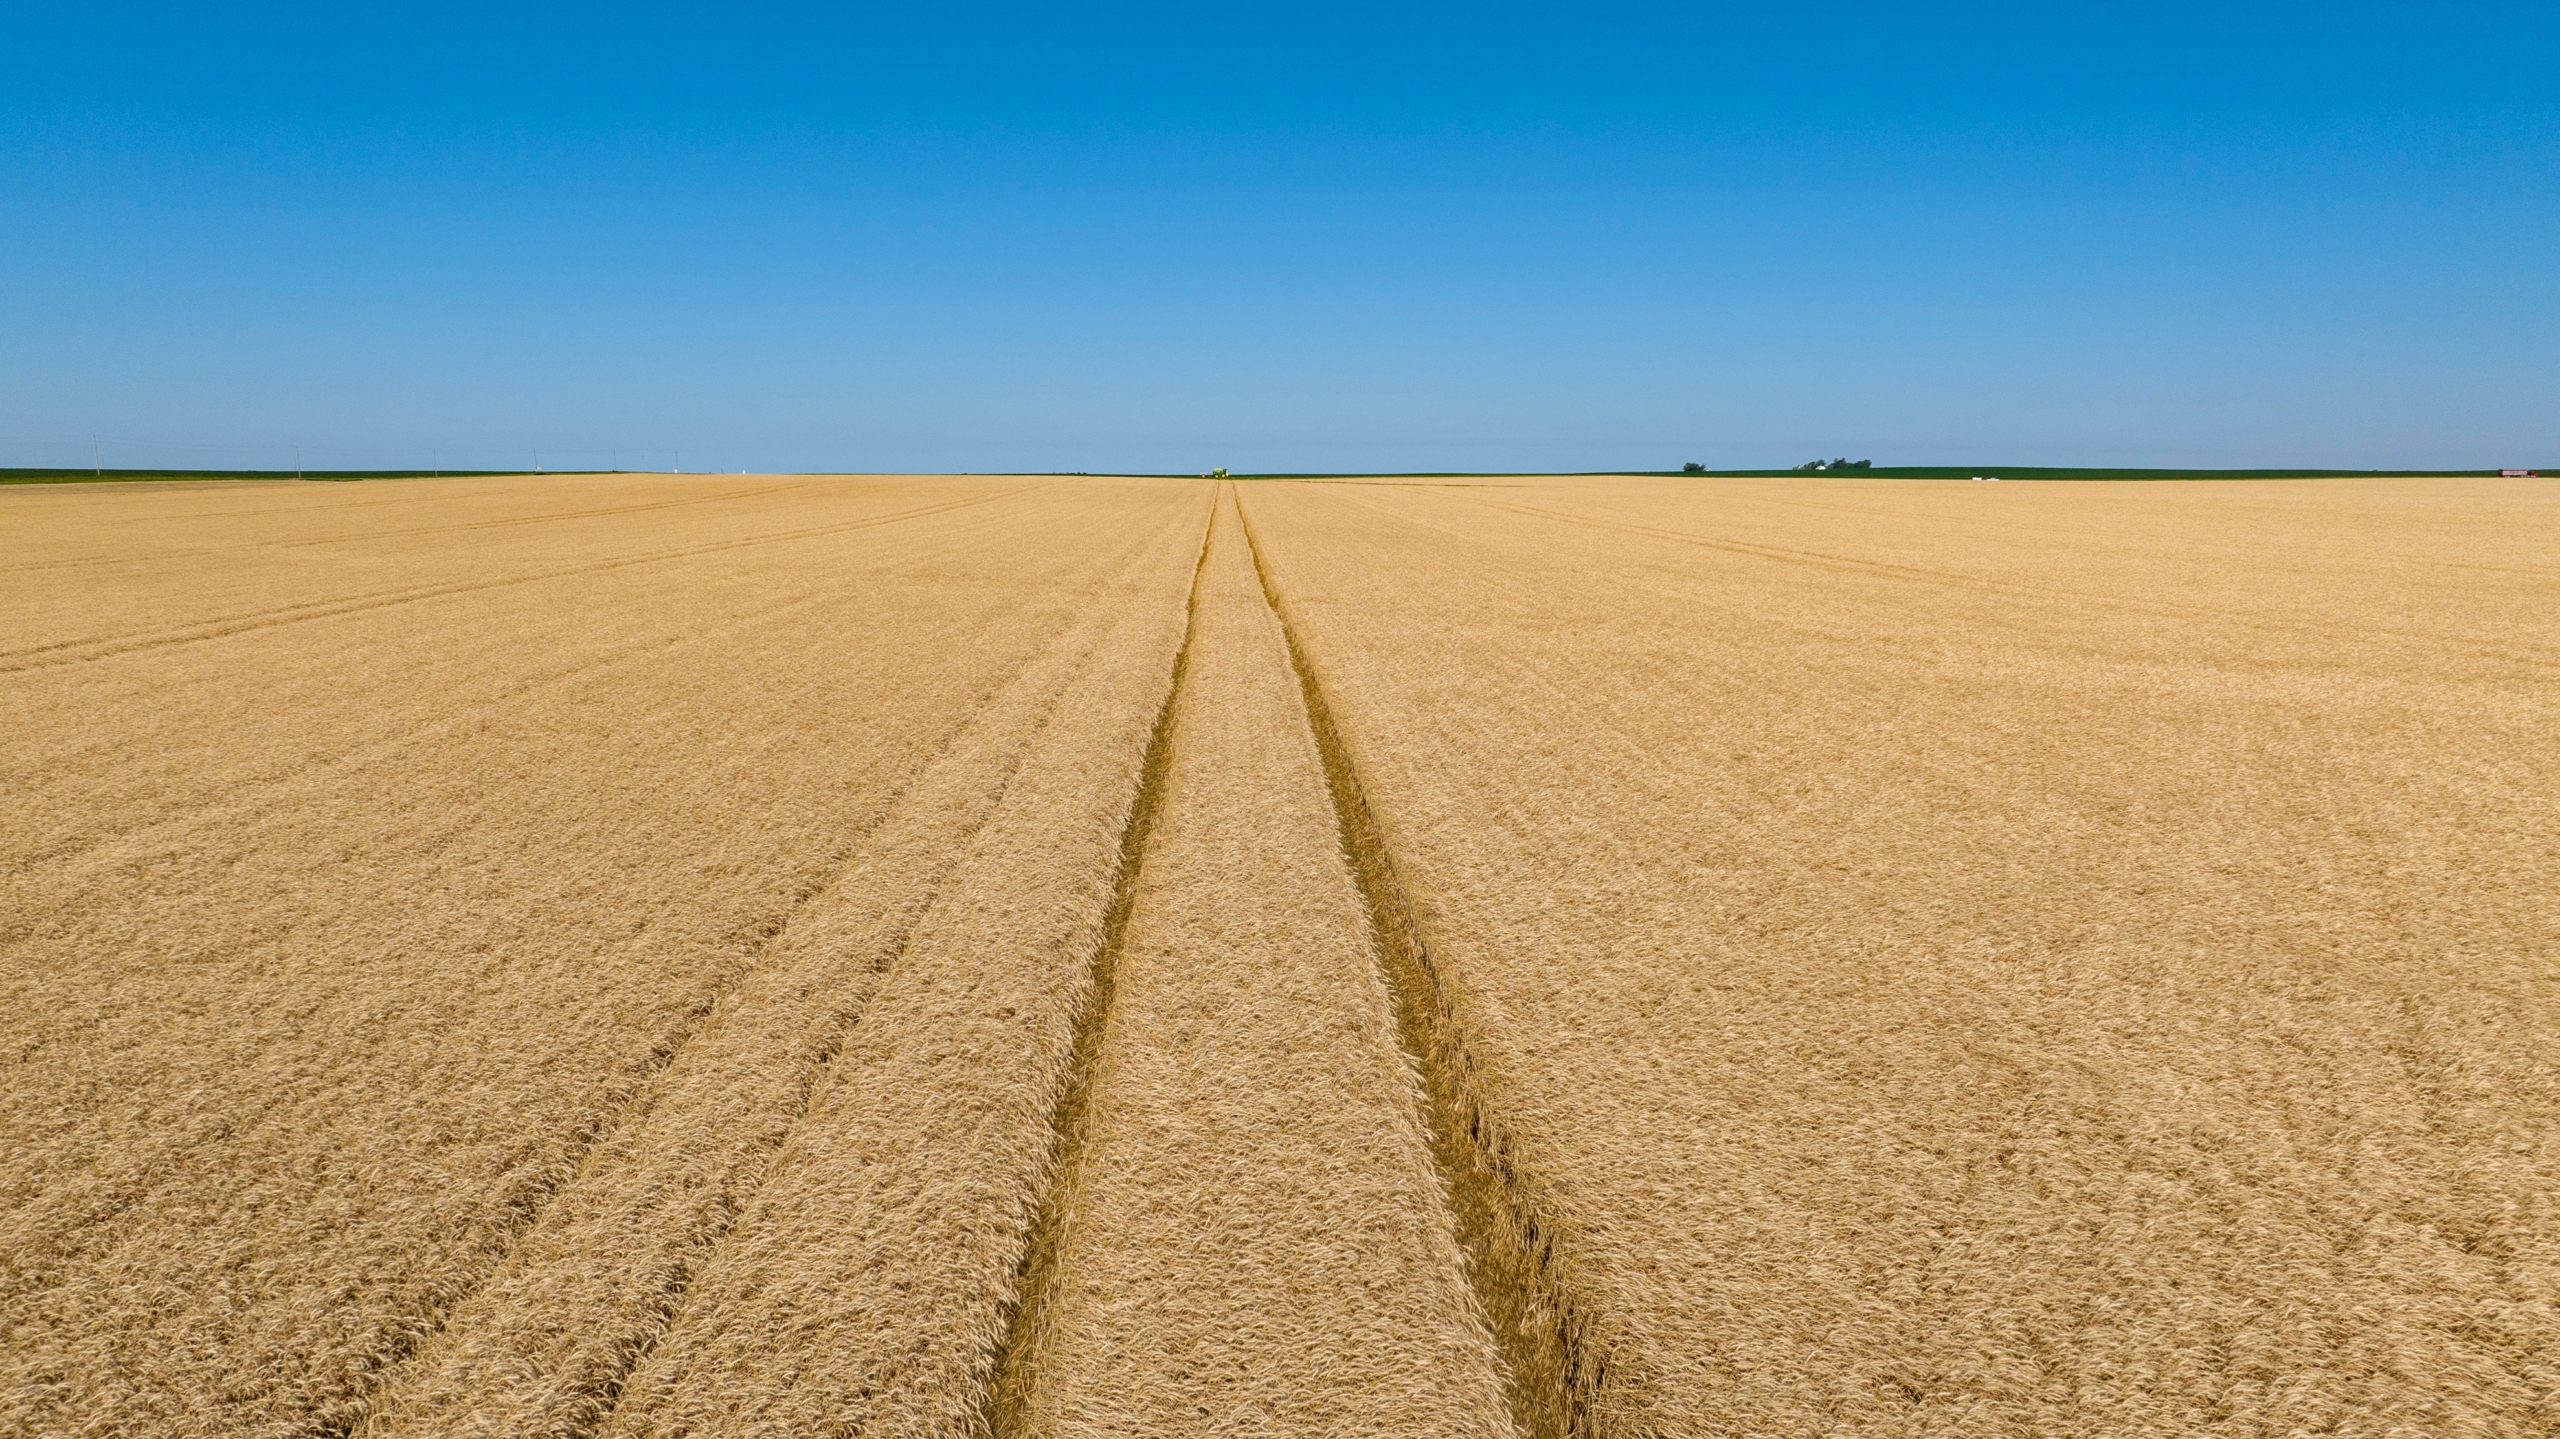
{"points": [[1295, 237]]}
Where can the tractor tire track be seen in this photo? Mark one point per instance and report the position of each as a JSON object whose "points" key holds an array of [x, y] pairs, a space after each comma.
{"points": [[1558, 1360], [1035, 1278]]}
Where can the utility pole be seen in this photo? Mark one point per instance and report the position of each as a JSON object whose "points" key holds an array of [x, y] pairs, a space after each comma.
{"points": [[435, 466], [97, 458], [297, 462], [537, 459]]}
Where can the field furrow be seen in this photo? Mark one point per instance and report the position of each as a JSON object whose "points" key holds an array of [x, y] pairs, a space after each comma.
{"points": [[545, 1347], [869, 1282]]}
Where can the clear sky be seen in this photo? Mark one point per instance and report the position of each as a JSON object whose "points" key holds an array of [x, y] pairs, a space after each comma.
{"points": [[1284, 237]]}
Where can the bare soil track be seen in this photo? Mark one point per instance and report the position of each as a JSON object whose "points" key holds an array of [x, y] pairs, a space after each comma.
{"points": [[641, 955]]}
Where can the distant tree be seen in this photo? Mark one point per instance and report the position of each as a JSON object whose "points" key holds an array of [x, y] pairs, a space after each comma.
{"points": [[1693, 468]]}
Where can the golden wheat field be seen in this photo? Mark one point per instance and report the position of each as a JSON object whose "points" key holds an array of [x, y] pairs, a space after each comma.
{"points": [[1004, 956]]}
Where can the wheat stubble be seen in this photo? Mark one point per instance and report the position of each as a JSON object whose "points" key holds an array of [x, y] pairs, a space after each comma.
{"points": [[291, 1072], [2046, 959], [644, 955]]}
